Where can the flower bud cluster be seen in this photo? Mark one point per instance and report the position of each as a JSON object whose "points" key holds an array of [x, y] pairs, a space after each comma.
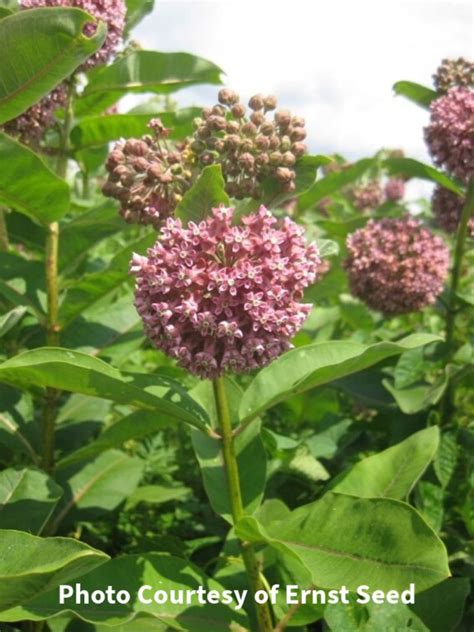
{"points": [[112, 12], [220, 297], [369, 196], [249, 146], [394, 189], [450, 134], [447, 208], [396, 265], [147, 177], [30, 126], [454, 72]]}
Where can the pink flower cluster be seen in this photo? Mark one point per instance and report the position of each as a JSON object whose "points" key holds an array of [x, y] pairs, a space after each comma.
{"points": [[396, 265], [112, 12], [450, 134], [394, 189], [367, 197], [30, 126], [447, 208], [220, 297]]}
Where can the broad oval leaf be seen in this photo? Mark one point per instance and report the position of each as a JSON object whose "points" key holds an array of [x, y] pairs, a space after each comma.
{"points": [[80, 373], [28, 185], [392, 473], [39, 48], [408, 167], [95, 131], [206, 193], [145, 71], [97, 487], [30, 566], [319, 363], [130, 572], [421, 95], [27, 493], [342, 539]]}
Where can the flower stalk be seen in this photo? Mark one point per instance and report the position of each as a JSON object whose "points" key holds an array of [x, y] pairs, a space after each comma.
{"points": [[452, 311], [252, 566], [4, 243], [52, 290]]}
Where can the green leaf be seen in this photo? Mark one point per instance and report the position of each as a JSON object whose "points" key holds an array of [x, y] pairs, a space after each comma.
{"points": [[136, 11], [30, 566], [100, 486], [417, 397], [309, 366], [26, 493], [85, 231], [207, 192], [306, 169], [334, 182], [447, 458], [28, 185], [421, 95], [4, 12], [11, 318], [139, 424], [391, 473], [410, 168], [39, 48], [92, 287], [438, 609], [251, 459], [342, 539], [95, 131], [249, 449], [131, 572], [80, 373], [157, 495], [147, 71]]}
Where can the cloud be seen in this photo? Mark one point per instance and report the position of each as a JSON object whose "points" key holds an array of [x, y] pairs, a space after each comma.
{"points": [[333, 63]]}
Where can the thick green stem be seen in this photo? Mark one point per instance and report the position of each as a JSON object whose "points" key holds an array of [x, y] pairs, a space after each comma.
{"points": [[52, 291], [4, 243], [467, 213], [252, 566]]}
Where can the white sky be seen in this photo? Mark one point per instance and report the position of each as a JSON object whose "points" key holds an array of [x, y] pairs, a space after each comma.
{"points": [[333, 61]]}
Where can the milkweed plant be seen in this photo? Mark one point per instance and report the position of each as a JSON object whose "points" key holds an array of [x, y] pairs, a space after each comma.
{"points": [[236, 376]]}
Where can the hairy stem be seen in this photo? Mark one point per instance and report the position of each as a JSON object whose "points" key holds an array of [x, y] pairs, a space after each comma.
{"points": [[4, 243], [252, 566], [52, 291], [467, 213]]}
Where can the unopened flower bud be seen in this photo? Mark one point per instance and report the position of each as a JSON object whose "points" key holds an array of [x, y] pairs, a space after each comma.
{"points": [[275, 158], [249, 129], [246, 161], [284, 174], [299, 149], [270, 102], [256, 102], [238, 110], [283, 118], [232, 127], [257, 118], [227, 96], [298, 134], [288, 159], [218, 110], [262, 143]]}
